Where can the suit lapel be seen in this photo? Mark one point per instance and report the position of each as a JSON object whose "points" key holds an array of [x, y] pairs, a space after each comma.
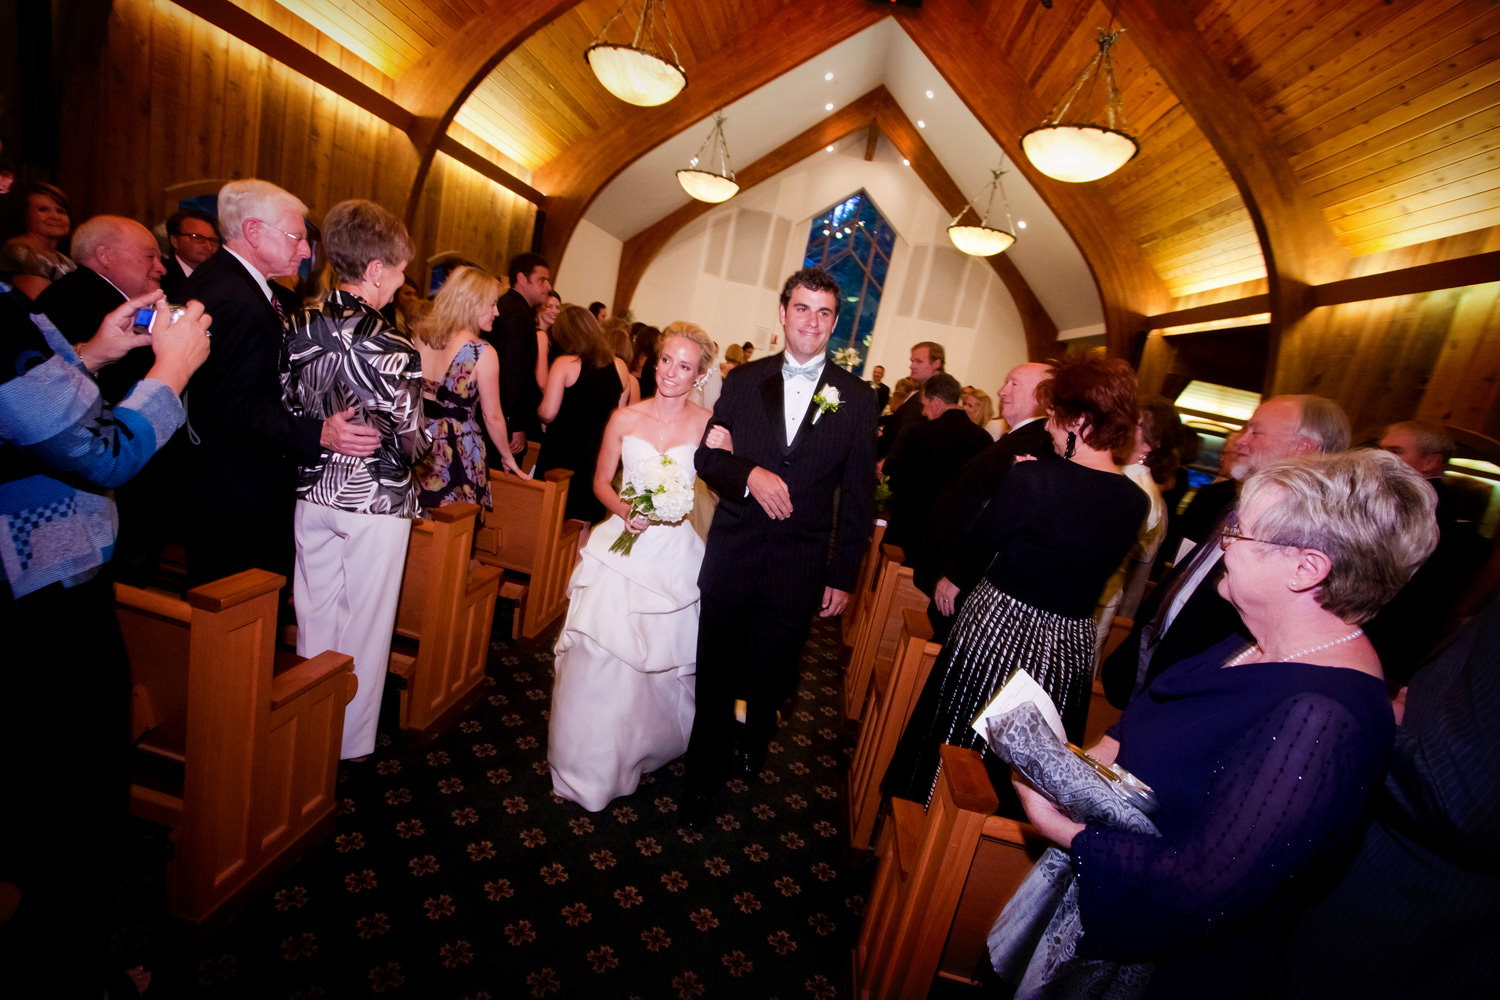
{"points": [[774, 397], [805, 427]]}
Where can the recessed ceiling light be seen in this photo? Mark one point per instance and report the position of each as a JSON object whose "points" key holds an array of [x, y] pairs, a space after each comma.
{"points": [[929, 95], [830, 149], [921, 124], [828, 76], [905, 162], [1021, 224], [828, 106]]}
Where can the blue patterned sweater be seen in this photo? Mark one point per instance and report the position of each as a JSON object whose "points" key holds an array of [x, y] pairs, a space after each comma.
{"points": [[62, 449]]}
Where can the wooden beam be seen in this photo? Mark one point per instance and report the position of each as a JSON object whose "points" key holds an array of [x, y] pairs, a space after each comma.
{"points": [[643, 247], [1476, 270], [792, 35], [968, 55], [1252, 305], [872, 141], [1040, 330], [879, 111], [258, 35], [481, 164], [1300, 248]]}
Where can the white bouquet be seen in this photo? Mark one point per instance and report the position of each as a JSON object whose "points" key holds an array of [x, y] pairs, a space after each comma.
{"points": [[659, 489], [846, 358]]}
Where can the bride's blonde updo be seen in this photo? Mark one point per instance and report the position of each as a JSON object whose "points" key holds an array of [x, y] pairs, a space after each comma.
{"points": [[695, 333]]}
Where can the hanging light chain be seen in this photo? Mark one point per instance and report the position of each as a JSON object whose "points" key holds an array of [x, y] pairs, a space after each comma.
{"points": [[717, 137]]}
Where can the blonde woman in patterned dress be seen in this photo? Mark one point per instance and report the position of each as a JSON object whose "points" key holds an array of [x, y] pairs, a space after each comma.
{"points": [[353, 516], [463, 388]]}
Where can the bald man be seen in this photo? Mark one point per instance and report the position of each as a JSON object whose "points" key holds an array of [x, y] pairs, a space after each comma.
{"points": [[118, 259], [961, 501]]}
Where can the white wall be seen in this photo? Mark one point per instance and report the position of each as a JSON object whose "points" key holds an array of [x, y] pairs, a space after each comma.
{"points": [[724, 271], [589, 267]]}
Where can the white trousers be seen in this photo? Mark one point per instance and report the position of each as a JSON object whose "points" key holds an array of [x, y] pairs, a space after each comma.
{"points": [[346, 585]]}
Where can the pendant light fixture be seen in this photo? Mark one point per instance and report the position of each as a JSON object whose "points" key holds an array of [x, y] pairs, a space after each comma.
{"points": [[982, 239], [638, 73], [1070, 145], [701, 178]]}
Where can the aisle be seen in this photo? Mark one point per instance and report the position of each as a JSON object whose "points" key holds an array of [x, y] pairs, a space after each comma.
{"points": [[454, 872]]}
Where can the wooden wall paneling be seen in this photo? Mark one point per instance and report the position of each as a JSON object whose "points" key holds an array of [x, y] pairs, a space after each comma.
{"points": [[1465, 380], [241, 124], [316, 172], [168, 129], [275, 91], [298, 138], [1355, 190], [1417, 219]]}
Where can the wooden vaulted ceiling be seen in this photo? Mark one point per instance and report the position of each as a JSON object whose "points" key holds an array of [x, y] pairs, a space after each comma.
{"points": [[1280, 141]]}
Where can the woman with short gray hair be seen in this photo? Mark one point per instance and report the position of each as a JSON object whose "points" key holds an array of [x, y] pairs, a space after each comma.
{"points": [[353, 516], [1263, 758]]}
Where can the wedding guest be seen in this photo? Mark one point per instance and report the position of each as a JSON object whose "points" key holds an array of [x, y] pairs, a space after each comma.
{"points": [[1052, 535], [513, 333], [622, 695], [585, 385], [734, 356], [353, 515], [66, 448], [981, 410], [33, 259], [192, 238], [617, 336], [644, 340], [1263, 758], [600, 311], [461, 388], [882, 391], [546, 349], [1150, 460]]}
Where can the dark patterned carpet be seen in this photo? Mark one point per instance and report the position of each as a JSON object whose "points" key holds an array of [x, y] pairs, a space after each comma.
{"points": [[455, 872]]}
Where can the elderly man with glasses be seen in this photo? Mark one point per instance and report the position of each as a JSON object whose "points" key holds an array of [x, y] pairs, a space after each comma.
{"points": [[245, 445]]}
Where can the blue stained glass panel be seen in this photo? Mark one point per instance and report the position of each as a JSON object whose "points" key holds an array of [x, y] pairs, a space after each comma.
{"points": [[853, 242]]}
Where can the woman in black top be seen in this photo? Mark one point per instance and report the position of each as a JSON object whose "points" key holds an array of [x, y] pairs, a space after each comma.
{"points": [[1052, 535], [584, 386]]}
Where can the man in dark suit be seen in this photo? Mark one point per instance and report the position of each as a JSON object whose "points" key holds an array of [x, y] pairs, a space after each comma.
{"points": [[246, 445], [513, 335], [193, 239], [118, 259], [1417, 909], [1185, 615], [926, 458], [927, 359], [882, 391], [961, 502], [796, 497]]}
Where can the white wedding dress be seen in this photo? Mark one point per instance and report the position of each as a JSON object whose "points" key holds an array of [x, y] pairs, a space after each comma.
{"points": [[622, 698]]}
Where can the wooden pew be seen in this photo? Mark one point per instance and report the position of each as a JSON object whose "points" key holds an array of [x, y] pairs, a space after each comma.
{"points": [[892, 693], [876, 641], [944, 876], [445, 616], [239, 748], [528, 537], [859, 600]]}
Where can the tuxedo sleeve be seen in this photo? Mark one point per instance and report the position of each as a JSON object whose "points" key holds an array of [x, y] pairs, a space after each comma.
{"points": [[856, 506], [726, 473], [247, 398]]}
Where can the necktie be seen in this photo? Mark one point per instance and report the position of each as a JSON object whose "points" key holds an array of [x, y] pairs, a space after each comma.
{"points": [[276, 304], [809, 371]]}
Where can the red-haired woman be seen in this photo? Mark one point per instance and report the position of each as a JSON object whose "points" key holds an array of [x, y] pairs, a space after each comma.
{"points": [[1046, 544]]}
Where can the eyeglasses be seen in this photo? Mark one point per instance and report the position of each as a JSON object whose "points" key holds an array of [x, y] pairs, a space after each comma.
{"points": [[212, 241], [291, 236], [1231, 534]]}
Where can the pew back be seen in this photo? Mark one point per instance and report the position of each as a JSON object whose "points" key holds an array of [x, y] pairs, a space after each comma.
{"points": [[880, 627], [529, 537], [255, 743]]}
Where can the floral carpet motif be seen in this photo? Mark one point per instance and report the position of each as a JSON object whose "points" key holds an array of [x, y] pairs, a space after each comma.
{"points": [[455, 872]]}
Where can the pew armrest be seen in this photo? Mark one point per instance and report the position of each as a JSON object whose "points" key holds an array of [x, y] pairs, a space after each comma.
{"points": [[287, 685]]}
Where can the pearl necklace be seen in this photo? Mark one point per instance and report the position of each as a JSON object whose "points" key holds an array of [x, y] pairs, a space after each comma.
{"points": [[1301, 652]]}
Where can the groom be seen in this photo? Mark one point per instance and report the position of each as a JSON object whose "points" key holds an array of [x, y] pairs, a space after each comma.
{"points": [[796, 498]]}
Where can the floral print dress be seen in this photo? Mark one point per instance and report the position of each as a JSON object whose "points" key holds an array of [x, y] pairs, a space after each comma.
{"points": [[455, 469]]}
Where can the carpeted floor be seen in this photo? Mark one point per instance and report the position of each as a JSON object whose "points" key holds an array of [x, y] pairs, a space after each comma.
{"points": [[454, 872]]}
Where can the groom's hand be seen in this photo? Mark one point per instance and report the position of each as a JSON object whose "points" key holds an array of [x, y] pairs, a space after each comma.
{"points": [[834, 602], [769, 490]]}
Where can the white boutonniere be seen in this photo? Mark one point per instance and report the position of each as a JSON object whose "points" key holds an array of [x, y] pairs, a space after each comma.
{"points": [[827, 400]]}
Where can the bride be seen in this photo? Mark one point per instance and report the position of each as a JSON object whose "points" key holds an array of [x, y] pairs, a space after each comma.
{"points": [[622, 697]]}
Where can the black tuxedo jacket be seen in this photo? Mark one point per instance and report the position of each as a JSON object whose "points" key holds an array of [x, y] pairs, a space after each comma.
{"points": [[882, 396], [76, 303], [926, 458], [171, 282], [247, 444], [960, 503], [514, 338], [829, 469]]}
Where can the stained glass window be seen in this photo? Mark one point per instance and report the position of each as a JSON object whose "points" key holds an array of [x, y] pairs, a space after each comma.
{"points": [[853, 242]]}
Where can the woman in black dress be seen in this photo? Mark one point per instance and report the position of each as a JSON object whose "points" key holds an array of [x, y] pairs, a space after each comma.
{"points": [[584, 386], [1052, 535]]}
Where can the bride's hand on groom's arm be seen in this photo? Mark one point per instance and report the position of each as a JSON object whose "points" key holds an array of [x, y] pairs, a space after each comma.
{"points": [[719, 437]]}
